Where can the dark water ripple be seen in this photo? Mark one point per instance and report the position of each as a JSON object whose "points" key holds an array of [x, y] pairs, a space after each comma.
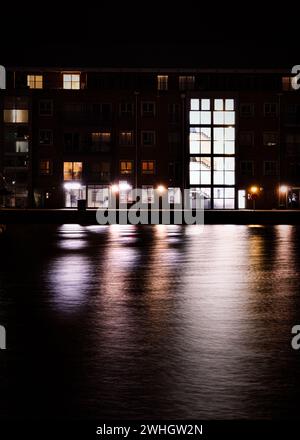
{"points": [[150, 322]]}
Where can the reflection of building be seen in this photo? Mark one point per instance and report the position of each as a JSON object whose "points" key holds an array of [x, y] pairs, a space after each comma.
{"points": [[70, 135]]}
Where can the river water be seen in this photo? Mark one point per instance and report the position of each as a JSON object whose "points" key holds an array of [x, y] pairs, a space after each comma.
{"points": [[145, 322]]}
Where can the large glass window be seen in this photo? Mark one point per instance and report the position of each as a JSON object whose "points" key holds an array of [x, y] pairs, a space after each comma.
{"points": [[72, 195], [224, 198], [224, 170], [200, 140], [204, 193], [200, 170], [224, 140], [98, 196], [212, 151]]}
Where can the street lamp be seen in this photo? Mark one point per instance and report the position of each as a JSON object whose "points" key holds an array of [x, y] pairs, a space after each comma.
{"points": [[115, 188], [254, 194], [283, 191], [161, 189]]}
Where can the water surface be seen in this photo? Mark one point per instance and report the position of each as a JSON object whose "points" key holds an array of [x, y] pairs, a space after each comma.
{"points": [[149, 322]]}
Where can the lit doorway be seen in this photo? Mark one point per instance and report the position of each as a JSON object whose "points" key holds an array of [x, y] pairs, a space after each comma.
{"points": [[241, 199]]}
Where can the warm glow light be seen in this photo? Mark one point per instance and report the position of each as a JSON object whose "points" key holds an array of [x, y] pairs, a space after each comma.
{"points": [[72, 185], [283, 189], [161, 188], [124, 186], [115, 188], [254, 189]]}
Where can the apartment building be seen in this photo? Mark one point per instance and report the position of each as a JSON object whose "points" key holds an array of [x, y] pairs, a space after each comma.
{"points": [[71, 134]]}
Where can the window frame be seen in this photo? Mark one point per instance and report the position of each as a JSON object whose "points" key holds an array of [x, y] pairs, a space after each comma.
{"points": [[148, 172], [143, 132], [49, 161], [125, 172]]}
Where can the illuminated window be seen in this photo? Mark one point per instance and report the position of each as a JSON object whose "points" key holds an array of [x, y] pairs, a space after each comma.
{"points": [[16, 116], [162, 82], [289, 83], [200, 170], [186, 82], [204, 193], [35, 81], [147, 194], [270, 138], [200, 113], [200, 140], [45, 167], [126, 137], [22, 147], [71, 81], [148, 137], [223, 198], [46, 137], [224, 140], [72, 170], [174, 195], [224, 170], [126, 166], [224, 112], [212, 151], [148, 166]]}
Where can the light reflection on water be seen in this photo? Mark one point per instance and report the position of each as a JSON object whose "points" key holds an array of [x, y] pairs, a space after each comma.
{"points": [[155, 321]]}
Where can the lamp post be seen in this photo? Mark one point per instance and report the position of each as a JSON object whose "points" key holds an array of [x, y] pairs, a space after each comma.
{"points": [[283, 192], [254, 195]]}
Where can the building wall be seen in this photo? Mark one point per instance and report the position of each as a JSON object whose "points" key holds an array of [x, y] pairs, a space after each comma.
{"points": [[267, 142]]}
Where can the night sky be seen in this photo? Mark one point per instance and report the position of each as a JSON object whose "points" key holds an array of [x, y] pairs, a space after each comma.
{"points": [[153, 34]]}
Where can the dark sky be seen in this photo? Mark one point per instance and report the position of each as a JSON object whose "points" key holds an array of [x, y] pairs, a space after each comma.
{"points": [[154, 33]]}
